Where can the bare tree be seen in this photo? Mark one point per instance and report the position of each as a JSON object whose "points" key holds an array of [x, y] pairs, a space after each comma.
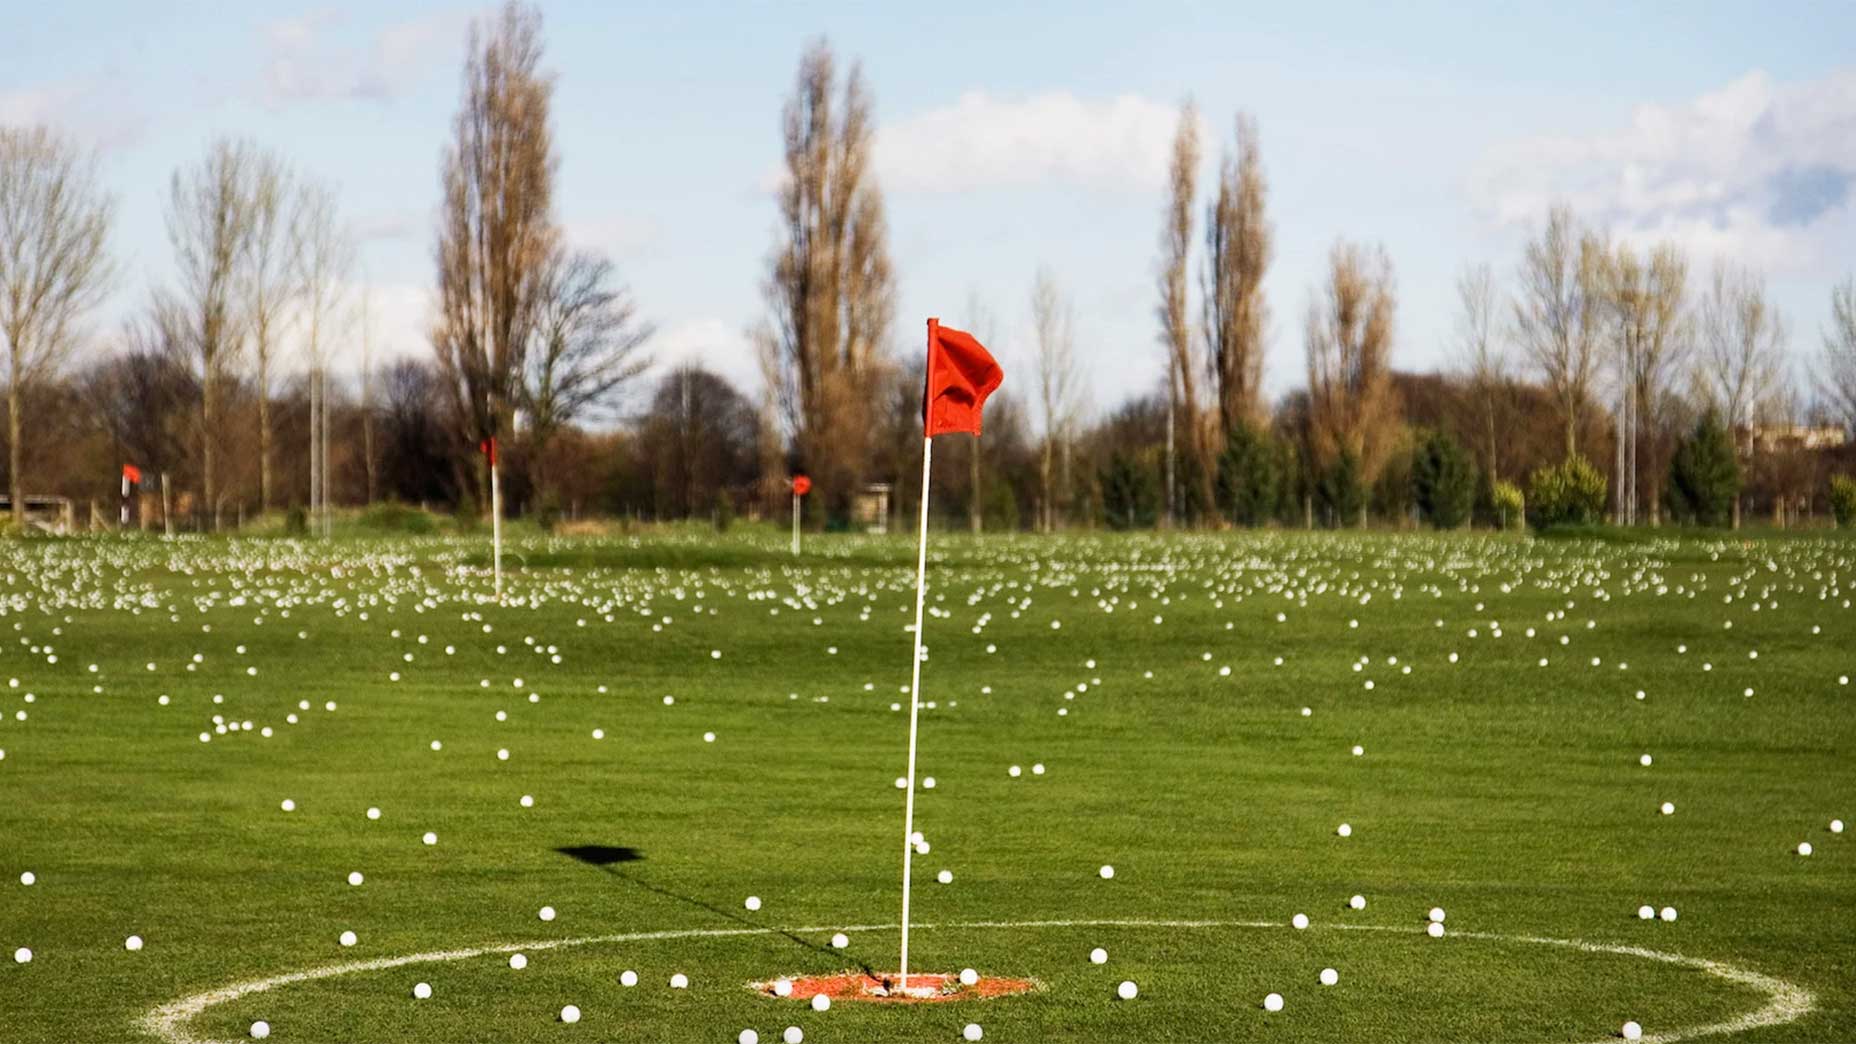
{"points": [[1484, 357], [1059, 380], [269, 285], [496, 226], [1742, 353], [209, 220], [1650, 333], [1840, 352], [325, 261], [1183, 357], [830, 286], [54, 227], [1352, 410], [1559, 315], [587, 344], [1238, 242], [983, 324]]}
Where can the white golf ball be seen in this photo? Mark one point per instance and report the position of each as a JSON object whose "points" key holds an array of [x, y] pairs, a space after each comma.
{"points": [[968, 976], [1358, 902], [422, 991], [1329, 976], [945, 877], [1014, 771], [355, 878], [546, 913], [1106, 872], [1669, 913], [1434, 930], [22, 956], [1344, 830], [972, 1031], [820, 1002], [1644, 761], [1127, 990], [840, 940], [570, 1014], [373, 813], [1632, 1031], [1437, 914], [748, 1036], [1836, 826], [1669, 808], [132, 943], [27, 878], [782, 987], [679, 981], [349, 939], [793, 1035], [1272, 1002], [1098, 956], [289, 805], [752, 903], [518, 961], [628, 978], [1804, 848], [1300, 921], [260, 1030], [1646, 913], [430, 838]]}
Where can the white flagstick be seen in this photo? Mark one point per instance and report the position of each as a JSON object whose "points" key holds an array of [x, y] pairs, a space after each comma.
{"points": [[496, 521], [795, 521], [915, 703]]}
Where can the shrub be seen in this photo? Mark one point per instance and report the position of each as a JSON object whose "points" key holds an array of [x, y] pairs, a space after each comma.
{"points": [[1339, 495], [1249, 477], [390, 517], [1704, 476], [296, 521], [1508, 503], [1130, 494], [548, 513], [1444, 481], [1570, 493], [1843, 501], [724, 511]]}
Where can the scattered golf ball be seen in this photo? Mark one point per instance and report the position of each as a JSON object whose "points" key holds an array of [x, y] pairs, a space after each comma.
{"points": [[546, 913], [355, 878], [972, 1031], [820, 1002], [793, 1035], [968, 976], [1098, 956], [422, 991], [945, 877], [349, 939], [630, 978], [1646, 913], [1434, 930], [752, 903], [1300, 921], [1329, 976], [260, 1030], [1669, 913], [132, 943], [289, 805], [1106, 872], [1272, 1002], [1437, 914], [1127, 990], [570, 1014], [1804, 848], [28, 878], [1631, 1031], [1345, 830], [782, 987], [679, 981], [430, 838], [1358, 902], [1836, 826], [840, 940], [1669, 808], [22, 956], [518, 961]]}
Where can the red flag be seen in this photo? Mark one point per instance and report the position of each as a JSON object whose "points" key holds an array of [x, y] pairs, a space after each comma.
{"points": [[961, 374], [801, 485], [488, 448], [132, 474]]}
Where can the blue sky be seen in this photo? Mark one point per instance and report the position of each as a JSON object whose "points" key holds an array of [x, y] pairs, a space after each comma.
{"points": [[1013, 135]]}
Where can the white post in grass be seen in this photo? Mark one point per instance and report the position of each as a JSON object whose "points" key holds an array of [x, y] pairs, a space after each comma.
{"points": [[795, 520], [915, 703], [496, 522]]}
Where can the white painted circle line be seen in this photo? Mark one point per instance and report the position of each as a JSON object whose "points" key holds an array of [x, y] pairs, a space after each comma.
{"points": [[1786, 1001]]}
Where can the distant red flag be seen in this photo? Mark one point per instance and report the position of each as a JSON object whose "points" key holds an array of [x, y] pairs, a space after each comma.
{"points": [[488, 448], [961, 374], [132, 474], [801, 485]]}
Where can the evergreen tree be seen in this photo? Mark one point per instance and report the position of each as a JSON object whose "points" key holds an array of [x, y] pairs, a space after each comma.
{"points": [[1444, 480], [1704, 475]]}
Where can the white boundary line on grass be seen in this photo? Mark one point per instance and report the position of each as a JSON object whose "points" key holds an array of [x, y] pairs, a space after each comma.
{"points": [[1785, 1001]]}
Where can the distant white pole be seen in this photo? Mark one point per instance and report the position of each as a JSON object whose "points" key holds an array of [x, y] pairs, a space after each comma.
{"points": [[795, 521], [496, 521], [915, 703], [125, 499]]}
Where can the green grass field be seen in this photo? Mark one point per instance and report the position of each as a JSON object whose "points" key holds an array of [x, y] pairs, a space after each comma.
{"points": [[1195, 716]]}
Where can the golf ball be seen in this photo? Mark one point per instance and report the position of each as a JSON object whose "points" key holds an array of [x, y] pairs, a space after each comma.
{"points": [[1434, 930], [1646, 913], [260, 1030], [1345, 830], [289, 805], [630, 978], [1106, 872], [1329, 976], [430, 838], [422, 991], [793, 1035], [1669, 913], [945, 877], [348, 939], [1127, 990], [27, 878], [968, 976], [1358, 902], [355, 878], [1669, 808], [518, 961], [972, 1031], [679, 981], [840, 941], [1300, 921], [820, 1002], [1272, 1002], [1804, 848], [748, 1036], [782, 987], [132, 943], [752, 903], [22, 956], [546, 913], [1437, 914], [1644, 761], [1632, 1031], [1836, 826], [1098, 956], [570, 1014]]}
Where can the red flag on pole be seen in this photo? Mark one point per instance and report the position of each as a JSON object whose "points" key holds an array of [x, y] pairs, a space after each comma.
{"points": [[802, 485], [488, 448], [961, 374], [132, 474]]}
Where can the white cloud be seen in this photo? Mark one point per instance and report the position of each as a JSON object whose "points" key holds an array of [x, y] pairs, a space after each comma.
{"points": [[302, 64], [982, 141], [97, 113], [1762, 171], [715, 344]]}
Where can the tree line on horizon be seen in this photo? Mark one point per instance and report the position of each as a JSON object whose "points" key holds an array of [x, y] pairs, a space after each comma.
{"points": [[1594, 379]]}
